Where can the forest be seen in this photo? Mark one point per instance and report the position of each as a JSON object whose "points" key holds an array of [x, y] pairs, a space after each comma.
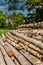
{"points": [[35, 13]]}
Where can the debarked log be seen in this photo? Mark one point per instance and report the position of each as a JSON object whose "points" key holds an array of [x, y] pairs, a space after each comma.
{"points": [[8, 50], [2, 62], [26, 43], [35, 53], [19, 56], [28, 49], [19, 47], [6, 57], [32, 25], [33, 41]]}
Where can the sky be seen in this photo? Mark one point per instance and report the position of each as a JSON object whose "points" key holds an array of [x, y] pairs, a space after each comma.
{"points": [[4, 8]]}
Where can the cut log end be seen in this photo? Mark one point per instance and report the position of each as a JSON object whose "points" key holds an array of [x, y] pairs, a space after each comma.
{"points": [[4, 39], [20, 47], [10, 53]]}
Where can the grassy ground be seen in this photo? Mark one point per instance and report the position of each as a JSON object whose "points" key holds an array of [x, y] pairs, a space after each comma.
{"points": [[2, 31]]}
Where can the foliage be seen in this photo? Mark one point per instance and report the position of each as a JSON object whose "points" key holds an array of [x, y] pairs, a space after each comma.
{"points": [[30, 4], [9, 26], [9, 21], [2, 20], [35, 4], [18, 20]]}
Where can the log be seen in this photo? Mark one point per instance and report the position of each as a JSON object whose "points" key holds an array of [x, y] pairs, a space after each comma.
{"points": [[32, 52], [29, 50], [26, 26], [19, 47], [32, 25], [26, 43], [35, 54], [2, 62], [10, 38], [8, 50], [16, 62], [4, 38], [6, 57], [28, 39], [33, 34], [32, 31], [38, 37], [10, 53], [30, 57], [19, 56]]}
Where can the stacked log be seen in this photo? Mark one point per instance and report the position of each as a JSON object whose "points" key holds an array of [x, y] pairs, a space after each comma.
{"points": [[26, 48], [4, 38], [28, 39], [36, 34], [9, 52], [23, 46], [24, 42], [2, 59], [29, 47], [32, 25], [22, 51], [6, 57]]}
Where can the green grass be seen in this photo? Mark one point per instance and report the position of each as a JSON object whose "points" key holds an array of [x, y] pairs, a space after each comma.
{"points": [[2, 31]]}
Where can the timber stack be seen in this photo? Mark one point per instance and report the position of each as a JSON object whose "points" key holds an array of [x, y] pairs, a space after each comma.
{"points": [[35, 25], [23, 46]]}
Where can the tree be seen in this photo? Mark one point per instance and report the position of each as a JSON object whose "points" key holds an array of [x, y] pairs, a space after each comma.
{"points": [[3, 18], [18, 19], [37, 5], [12, 4], [2, 21]]}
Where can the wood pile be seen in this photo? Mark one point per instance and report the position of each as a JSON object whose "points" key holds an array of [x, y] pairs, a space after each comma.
{"points": [[22, 47], [30, 26], [34, 30]]}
